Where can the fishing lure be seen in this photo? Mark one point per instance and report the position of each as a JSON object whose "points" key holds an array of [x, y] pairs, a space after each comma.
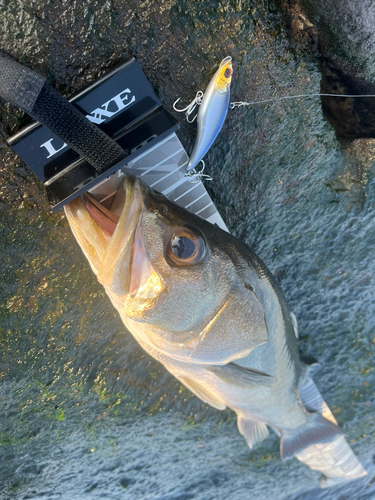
{"points": [[213, 108]]}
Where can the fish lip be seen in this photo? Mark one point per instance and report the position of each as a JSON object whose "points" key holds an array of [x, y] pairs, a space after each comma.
{"points": [[99, 243], [141, 270], [118, 258]]}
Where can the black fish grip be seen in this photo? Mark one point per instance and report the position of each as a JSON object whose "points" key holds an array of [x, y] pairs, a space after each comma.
{"points": [[28, 90]]}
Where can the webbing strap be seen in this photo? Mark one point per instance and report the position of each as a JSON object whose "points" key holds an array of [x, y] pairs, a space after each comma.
{"points": [[28, 90]]}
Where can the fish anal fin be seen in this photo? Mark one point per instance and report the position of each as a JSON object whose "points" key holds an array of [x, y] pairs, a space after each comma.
{"points": [[317, 430], [252, 430], [240, 376], [203, 393]]}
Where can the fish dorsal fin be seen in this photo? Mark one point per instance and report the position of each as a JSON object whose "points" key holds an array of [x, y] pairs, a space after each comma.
{"points": [[310, 396], [252, 430], [240, 376], [203, 393], [294, 322]]}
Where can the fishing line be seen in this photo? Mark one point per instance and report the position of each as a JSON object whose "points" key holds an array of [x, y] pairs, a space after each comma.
{"points": [[197, 101], [238, 104]]}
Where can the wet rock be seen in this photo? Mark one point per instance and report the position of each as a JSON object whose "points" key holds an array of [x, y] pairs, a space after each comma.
{"points": [[126, 481], [341, 35]]}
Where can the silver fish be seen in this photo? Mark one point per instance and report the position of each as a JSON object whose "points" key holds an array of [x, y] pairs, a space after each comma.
{"points": [[203, 304], [212, 111]]}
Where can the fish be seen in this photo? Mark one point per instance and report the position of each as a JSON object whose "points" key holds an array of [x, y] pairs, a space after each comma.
{"points": [[203, 304], [212, 111]]}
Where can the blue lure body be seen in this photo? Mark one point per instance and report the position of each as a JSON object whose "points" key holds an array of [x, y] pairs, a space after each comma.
{"points": [[212, 112]]}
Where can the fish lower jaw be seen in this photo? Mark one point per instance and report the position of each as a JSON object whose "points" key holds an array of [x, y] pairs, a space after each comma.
{"points": [[137, 307], [145, 296]]}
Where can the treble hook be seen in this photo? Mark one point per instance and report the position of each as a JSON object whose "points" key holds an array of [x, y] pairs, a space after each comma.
{"points": [[197, 101], [193, 176]]}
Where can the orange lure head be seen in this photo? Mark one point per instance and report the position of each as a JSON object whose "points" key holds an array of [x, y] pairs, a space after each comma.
{"points": [[224, 75]]}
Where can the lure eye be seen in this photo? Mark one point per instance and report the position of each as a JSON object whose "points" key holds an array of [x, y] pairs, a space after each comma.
{"points": [[185, 248], [227, 73]]}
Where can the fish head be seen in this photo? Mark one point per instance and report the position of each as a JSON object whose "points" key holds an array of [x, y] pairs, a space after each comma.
{"points": [[223, 75], [176, 279]]}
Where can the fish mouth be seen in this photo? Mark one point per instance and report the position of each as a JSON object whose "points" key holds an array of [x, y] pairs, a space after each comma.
{"points": [[111, 238], [106, 219]]}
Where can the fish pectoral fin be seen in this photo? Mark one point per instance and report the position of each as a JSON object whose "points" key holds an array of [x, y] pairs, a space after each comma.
{"points": [[202, 393], [240, 376], [317, 430], [252, 430]]}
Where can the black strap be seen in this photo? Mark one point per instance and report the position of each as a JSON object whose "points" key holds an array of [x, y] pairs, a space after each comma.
{"points": [[28, 90]]}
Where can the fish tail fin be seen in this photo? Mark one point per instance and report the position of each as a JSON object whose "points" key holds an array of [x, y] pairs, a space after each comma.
{"points": [[316, 430], [334, 459]]}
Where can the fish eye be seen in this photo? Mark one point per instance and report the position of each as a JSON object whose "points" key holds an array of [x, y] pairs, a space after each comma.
{"points": [[227, 73], [185, 247], [182, 247]]}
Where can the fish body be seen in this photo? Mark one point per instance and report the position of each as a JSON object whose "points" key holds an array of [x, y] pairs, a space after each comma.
{"points": [[212, 111], [203, 304]]}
